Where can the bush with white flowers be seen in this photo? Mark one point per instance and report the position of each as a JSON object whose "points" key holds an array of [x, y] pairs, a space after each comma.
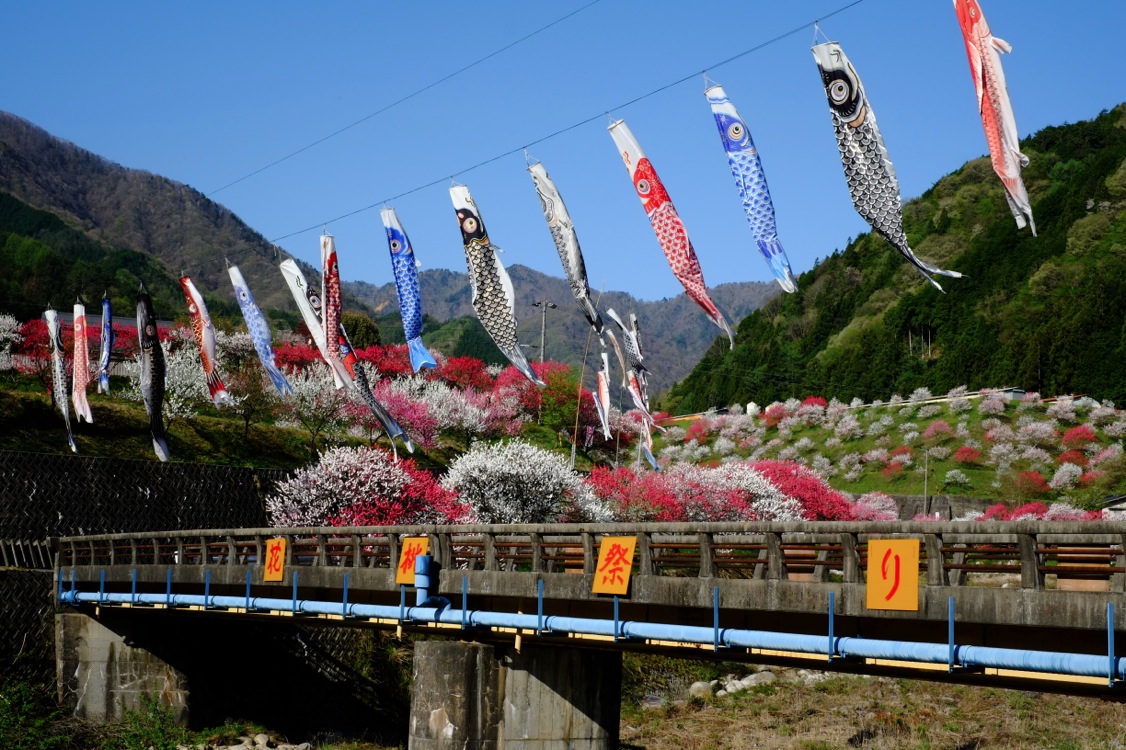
{"points": [[956, 478], [516, 482]]}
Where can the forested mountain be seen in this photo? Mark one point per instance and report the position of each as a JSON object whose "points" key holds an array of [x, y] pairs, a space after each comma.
{"points": [[134, 209], [1044, 313]]}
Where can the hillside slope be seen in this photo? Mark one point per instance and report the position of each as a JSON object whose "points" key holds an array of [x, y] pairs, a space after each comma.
{"points": [[1041, 313]]}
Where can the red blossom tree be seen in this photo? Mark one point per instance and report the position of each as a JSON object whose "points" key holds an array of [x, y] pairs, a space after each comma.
{"points": [[772, 415], [892, 471], [1073, 456], [1032, 483], [295, 356], [391, 360], [698, 431], [464, 372], [819, 501], [967, 454], [1078, 437], [420, 496]]}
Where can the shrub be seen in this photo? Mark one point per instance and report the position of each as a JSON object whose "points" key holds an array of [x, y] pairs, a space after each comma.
{"points": [[1031, 483], [698, 431], [636, 496], [938, 430], [1066, 477], [773, 414], [1078, 437], [464, 372], [1043, 434], [967, 454], [875, 506], [991, 406], [892, 471], [1073, 457], [956, 478], [28, 718]]}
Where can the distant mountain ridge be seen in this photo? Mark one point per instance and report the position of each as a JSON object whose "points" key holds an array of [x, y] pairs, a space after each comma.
{"points": [[674, 332], [184, 231]]}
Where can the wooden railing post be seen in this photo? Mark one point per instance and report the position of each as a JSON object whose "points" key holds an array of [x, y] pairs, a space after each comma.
{"points": [[773, 556], [707, 560], [490, 552], [445, 550], [936, 572], [590, 559], [537, 551], [644, 555], [1118, 580], [850, 560], [1030, 575], [392, 551]]}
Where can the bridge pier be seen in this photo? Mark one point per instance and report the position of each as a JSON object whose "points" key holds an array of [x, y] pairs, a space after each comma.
{"points": [[484, 697]]}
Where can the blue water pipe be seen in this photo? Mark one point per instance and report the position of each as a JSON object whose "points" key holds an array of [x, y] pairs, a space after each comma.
{"points": [[433, 609]]}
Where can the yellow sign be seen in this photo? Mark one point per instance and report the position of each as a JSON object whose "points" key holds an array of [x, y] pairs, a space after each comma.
{"points": [[413, 546], [893, 574], [275, 560], [615, 559]]}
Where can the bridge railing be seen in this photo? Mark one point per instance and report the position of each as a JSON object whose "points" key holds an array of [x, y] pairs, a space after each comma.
{"points": [[1021, 554]]}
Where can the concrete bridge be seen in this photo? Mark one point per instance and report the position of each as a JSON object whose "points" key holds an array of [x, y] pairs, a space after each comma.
{"points": [[531, 656]]}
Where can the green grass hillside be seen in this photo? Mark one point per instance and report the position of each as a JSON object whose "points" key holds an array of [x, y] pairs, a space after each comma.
{"points": [[1012, 448]]}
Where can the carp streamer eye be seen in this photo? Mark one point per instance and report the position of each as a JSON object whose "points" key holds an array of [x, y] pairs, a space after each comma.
{"points": [[396, 246], [469, 226], [243, 295], [643, 186], [839, 91], [735, 131]]}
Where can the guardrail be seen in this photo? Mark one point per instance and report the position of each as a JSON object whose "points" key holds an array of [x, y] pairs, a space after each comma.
{"points": [[951, 554]]}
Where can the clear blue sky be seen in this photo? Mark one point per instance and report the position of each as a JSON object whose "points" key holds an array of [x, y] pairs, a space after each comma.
{"points": [[207, 92]]}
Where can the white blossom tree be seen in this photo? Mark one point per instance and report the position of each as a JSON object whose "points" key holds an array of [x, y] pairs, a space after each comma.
{"points": [[516, 482], [316, 405]]}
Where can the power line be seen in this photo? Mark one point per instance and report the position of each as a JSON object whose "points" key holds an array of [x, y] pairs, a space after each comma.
{"points": [[561, 131], [408, 97]]}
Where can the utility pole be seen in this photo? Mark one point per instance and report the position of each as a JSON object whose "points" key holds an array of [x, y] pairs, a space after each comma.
{"points": [[544, 305]]}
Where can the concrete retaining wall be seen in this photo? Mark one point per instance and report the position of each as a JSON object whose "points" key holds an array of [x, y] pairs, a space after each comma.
{"points": [[100, 674]]}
